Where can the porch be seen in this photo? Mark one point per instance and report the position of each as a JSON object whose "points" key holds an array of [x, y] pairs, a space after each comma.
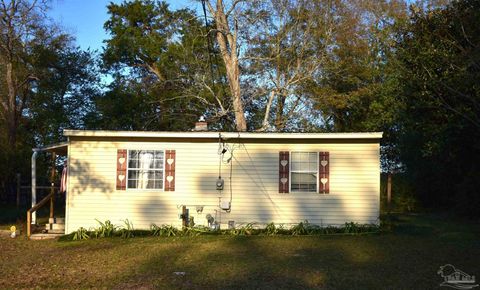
{"points": [[52, 226]]}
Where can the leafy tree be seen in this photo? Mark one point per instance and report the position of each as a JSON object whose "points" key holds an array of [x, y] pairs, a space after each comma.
{"points": [[45, 85], [64, 95], [282, 56], [440, 121], [352, 88], [24, 32], [161, 57]]}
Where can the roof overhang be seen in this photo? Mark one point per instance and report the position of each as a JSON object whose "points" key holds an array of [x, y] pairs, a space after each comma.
{"points": [[58, 148], [216, 135]]}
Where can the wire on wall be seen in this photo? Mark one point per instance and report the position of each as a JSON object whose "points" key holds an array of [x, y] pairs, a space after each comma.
{"points": [[222, 149]]}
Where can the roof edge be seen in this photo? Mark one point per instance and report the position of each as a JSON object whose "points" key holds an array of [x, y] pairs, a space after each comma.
{"points": [[215, 135]]}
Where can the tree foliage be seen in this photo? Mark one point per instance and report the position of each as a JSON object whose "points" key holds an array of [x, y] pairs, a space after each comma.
{"points": [[160, 58], [46, 85], [440, 76]]}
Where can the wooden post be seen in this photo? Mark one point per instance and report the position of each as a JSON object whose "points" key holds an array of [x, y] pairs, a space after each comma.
{"points": [[52, 188], [29, 224], [184, 216], [19, 184], [389, 190]]}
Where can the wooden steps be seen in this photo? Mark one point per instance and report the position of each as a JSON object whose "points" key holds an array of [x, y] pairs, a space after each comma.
{"points": [[46, 236], [54, 229]]}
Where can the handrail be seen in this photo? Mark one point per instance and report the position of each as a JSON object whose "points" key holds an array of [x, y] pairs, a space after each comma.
{"points": [[35, 208]]}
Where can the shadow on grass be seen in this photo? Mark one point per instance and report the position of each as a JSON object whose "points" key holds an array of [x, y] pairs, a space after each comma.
{"points": [[395, 260], [407, 258]]}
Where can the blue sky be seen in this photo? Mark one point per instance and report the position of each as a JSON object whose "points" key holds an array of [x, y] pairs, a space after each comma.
{"points": [[85, 18]]}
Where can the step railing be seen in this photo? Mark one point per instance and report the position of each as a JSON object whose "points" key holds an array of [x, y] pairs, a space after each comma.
{"points": [[50, 197]]}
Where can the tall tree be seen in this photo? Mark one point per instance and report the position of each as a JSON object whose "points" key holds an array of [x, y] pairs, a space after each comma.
{"points": [[45, 84], [162, 56], [23, 29], [282, 55], [64, 94], [226, 32], [354, 75], [439, 73]]}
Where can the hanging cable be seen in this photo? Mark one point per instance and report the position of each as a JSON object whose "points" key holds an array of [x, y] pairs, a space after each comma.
{"points": [[212, 54], [209, 45]]}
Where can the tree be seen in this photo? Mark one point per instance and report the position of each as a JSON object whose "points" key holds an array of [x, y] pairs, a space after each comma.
{"points": [[351, 89], [282, 55], [326, 58], [439, 71], [162, 57], [46, 85], [64, 95], [226, 32], [23, 30]]}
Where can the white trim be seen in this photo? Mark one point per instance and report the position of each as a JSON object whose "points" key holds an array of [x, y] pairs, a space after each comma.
{"points": [[52, 147], [145, 189], [215, 135], [67, 192], [290, 171]]}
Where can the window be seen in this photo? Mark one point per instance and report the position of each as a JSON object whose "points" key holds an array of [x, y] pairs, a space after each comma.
{"points": [[145, 169], [304, 171]]}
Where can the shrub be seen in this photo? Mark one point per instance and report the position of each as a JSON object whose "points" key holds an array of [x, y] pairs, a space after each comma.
{"points": [[106, 229], [127, 231], [300, 229], [81, 234], [271, 229]]}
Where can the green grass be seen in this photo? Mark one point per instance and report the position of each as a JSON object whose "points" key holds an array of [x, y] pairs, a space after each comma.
{"points": [[408, 257]]}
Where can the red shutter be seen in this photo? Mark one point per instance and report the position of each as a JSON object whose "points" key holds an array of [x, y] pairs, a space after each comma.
{"points": [[121, 169], [170, 170], [324, 172], [284, 169]]}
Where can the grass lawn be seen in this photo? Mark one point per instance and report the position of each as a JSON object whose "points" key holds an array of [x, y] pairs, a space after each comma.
{"points": [[406, 258]]}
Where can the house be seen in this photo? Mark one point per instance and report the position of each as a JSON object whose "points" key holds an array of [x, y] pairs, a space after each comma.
{"points": [[221, 178]]}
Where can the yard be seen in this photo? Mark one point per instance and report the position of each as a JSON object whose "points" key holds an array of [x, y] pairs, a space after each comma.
{"points": [[408, 257]]}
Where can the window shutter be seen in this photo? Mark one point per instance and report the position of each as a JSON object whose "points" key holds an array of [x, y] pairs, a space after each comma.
{"points": [[284, 169], [324, 172], [169, 170], [121, 169]]}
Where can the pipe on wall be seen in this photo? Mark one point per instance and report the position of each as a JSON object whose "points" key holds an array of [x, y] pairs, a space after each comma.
{"points": [[34, 184]]}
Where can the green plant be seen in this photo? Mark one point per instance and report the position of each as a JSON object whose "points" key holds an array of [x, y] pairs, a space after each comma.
{"points": [[106, 229], [127, 231], [329, 230], [190, 231], [81, 234], [271, 229], [155, 230], [246, 230], [163, 231], [300, 229], [351, 228]]}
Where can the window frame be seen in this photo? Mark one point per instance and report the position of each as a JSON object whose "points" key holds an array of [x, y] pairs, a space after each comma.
{"points": [[128, 168], [291, 171]]}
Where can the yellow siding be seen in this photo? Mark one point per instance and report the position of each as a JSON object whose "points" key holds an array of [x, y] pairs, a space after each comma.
{"points": [[354, 185]]}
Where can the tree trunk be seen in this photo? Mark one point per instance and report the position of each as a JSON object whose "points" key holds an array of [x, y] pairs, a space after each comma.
{"points": [[11, 110], [265, 123], [233, 76], [279, 120], [228, 48]]}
